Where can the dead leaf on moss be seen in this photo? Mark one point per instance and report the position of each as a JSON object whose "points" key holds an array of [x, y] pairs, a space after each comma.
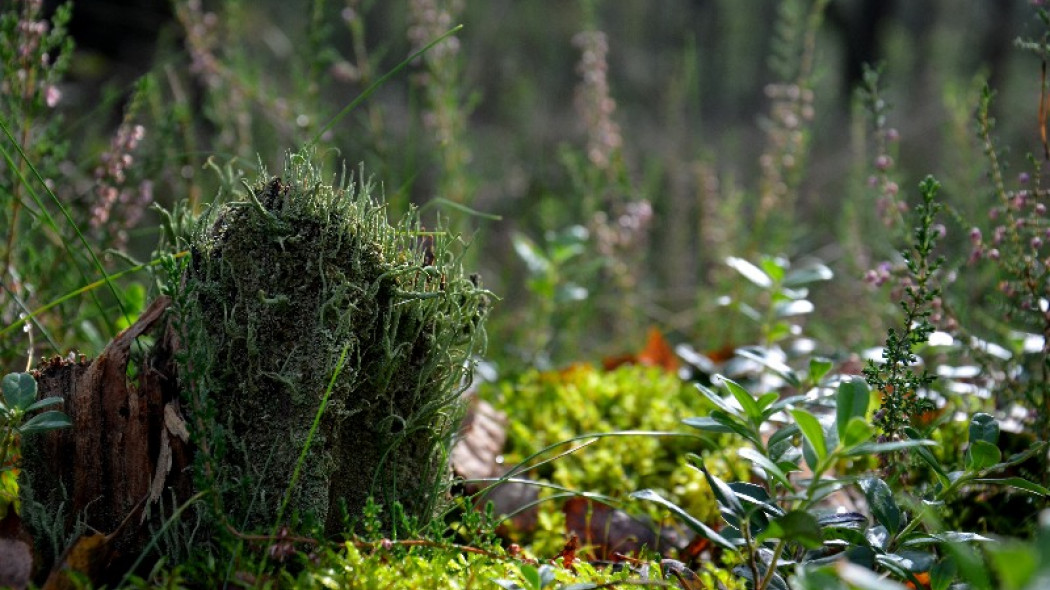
{"points": [[657, 353], [607, 531], [476, 453], [89, 557]]}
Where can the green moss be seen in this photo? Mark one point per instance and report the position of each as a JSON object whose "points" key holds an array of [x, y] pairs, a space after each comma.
{"points": [[547, 408], [282, 282]]}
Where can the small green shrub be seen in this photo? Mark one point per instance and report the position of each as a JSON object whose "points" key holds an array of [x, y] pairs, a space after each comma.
{"points": [[546, 408]]}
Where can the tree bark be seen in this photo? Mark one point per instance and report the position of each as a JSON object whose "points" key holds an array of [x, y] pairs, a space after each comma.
{"points": [[128, 442]]}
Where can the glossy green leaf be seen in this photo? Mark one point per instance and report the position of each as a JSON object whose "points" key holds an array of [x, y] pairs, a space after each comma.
{"points": [[717, 400], [531, 255], [774, 364], [767, 400], [788, 309], [982, 455], [19, 391], [706, 423], [733, 423], [47, 401], [750, 272], [771, 468], [811, 430], [805, 275], [880, 500], [784, 433], [851, 400], [45, 421], [723, 493], [858, 431], [887, 447], [1016, 482], [745, 399], [531, 575], [697, 526], [818, 368], [862, 578], [899, 566], [798, 526], [755, 495], [774, 266], [984, 427]]}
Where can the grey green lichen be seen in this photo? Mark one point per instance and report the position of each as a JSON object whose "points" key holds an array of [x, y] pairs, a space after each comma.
{"points": [[280, 284]]}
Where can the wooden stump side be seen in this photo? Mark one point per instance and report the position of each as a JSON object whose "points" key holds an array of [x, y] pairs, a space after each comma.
{"points": [[127, 443]]}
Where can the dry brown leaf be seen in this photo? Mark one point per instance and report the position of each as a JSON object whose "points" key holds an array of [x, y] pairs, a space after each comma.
{"points": [[89, 556]]}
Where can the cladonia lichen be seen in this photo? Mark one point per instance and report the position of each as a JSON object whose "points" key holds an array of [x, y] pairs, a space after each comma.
{"points": [[280, 283]]}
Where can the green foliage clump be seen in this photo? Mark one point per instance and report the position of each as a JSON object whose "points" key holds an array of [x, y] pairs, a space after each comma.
{"points": [[546, 408], [313, 323]]}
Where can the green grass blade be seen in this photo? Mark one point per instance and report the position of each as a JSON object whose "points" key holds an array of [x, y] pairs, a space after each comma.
{"points": [[86, 288], [65, 212]]}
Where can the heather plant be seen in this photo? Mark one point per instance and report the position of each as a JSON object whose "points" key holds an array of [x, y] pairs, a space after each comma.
{"points": [[900, 386]]}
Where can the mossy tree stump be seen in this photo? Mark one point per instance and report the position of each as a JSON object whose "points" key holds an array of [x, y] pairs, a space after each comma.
{"points": [[282, 285], [300, 303]]}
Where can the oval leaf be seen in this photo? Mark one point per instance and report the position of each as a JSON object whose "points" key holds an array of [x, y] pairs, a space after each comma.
{"points": [[787, 309], [771, 468], [811, 430], [723, 493], [47, 401], [44, 422], [798, 526], [883, 507], [750, 272], [982, 455], [19, 390], [858, 431], [745, 399], [851, 400], [984, 427], [808, 274]]}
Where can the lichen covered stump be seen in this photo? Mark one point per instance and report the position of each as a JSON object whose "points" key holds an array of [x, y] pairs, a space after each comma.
{"points": [[280, 287]]}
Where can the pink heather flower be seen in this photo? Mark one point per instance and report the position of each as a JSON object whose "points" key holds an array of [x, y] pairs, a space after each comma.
{"points": [[975, 236], [52, 95]]}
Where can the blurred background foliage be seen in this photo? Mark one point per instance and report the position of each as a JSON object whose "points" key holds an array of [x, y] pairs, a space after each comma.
{"points": [[715, 128]]}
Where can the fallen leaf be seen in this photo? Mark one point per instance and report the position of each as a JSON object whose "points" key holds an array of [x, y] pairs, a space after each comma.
{"points": [[475, 455], [568, 553], [657, 353], [89, 557], [607, 531]]}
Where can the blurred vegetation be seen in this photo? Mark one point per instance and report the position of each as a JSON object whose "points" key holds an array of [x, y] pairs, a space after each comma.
{"points": [[492, 121]]}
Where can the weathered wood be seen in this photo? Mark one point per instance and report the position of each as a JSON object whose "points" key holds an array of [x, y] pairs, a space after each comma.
{"points": [[120, 450]]}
